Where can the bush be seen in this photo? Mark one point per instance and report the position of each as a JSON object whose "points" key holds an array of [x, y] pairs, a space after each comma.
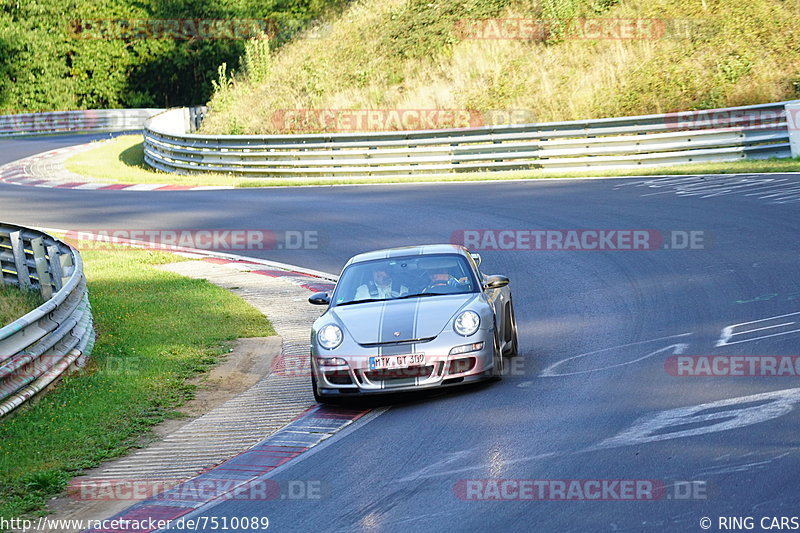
{"points": [[49, 63]]}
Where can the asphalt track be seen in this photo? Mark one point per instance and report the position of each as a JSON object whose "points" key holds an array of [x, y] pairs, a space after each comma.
{"points": [[602, 416]]}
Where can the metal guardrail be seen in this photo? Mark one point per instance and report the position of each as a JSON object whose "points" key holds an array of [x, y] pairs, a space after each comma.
{"points": [[56, 336], [92, 120], [753, 132]]}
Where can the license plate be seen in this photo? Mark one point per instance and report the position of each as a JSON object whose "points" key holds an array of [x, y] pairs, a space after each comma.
{"points": [[389, 362]]}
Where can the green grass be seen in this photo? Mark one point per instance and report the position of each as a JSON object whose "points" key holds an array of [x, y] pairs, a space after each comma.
{"points": [[156, 330], [14, 303], [121, 160]]}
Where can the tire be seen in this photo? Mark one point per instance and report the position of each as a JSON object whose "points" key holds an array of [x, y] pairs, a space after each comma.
{"points": [[323, 399], [513, 351], [498, 360], [317, 397]]}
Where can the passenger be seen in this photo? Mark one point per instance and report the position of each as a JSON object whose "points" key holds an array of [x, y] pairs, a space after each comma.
{"points": [[380, 287]]}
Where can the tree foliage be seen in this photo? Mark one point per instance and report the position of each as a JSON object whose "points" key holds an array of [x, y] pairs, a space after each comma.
{"points": [[49, 61]]}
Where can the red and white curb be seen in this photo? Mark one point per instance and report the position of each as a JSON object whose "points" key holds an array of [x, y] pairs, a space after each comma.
{"points": [[47, 170], [312, 427], [245, 470]]}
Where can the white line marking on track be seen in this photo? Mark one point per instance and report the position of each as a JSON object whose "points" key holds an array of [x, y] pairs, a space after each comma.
{"points": [[678, 348], [778, 190], [742, 413], [729, 332], [655, 427]]}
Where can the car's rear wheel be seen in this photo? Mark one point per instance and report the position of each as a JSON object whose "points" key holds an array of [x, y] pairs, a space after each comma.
{"points": [[513, 349]]}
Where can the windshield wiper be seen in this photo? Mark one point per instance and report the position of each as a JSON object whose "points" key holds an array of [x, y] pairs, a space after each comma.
{"points": [[421, 294], [418, 295], [362, 301]]}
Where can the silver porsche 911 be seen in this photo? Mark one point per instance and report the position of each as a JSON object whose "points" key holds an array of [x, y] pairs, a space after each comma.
{"points": [[408, 319]]}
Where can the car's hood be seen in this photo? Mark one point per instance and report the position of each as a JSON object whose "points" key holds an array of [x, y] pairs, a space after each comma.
{"points": [[400, 320]]}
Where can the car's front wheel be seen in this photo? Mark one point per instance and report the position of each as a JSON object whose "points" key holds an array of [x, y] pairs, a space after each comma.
{"points": [[498, 360], [320, 398], [512, 342], [317, 397]]}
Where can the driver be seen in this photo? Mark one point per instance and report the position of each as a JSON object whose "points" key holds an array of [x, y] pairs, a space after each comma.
{"points": [[380, 286], [440, 278]]}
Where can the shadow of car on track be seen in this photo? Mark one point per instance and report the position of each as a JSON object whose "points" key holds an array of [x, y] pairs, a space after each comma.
{"points": [[409, 398]]}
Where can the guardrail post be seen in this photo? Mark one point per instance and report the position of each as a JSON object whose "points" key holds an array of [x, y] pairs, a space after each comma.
{"points": [[65, 262], [196, 115], [40, 259], [793, 124], [54, 261], [187, 120], [18, 250]]}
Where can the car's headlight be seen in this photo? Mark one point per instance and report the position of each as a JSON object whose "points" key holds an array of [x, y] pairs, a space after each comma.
{"points": [[467, 323], [330, 336]]}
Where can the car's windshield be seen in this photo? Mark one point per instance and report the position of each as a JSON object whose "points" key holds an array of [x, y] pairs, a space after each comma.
{"points": [[404, 277]]}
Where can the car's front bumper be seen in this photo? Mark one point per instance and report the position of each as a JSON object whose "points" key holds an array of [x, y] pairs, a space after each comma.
{"points": [[441, 369]]}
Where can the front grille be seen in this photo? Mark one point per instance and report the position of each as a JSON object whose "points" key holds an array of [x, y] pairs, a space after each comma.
{"points": [[409, 373], [338, 377], [396, 343]]}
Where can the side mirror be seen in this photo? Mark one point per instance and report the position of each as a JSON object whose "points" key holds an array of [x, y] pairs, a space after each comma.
{"points": [[495, 282], [319, 298], [476, 258]]}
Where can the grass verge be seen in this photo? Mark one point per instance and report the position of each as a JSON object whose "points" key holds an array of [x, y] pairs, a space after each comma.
{"points": [[156, 330], [122, 160], [15, 303]]}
